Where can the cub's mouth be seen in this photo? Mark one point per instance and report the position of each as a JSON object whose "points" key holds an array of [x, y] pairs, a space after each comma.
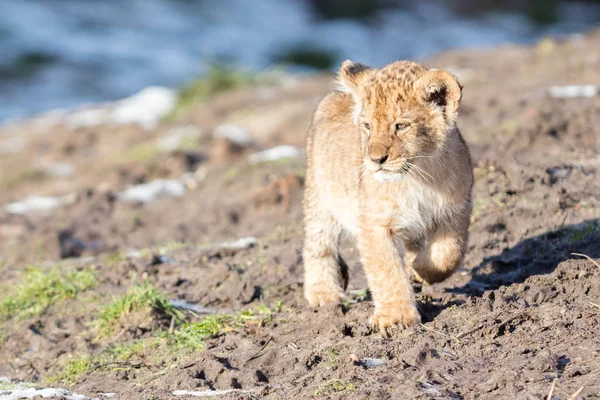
{"points": [[390, 174], [387, 169]]}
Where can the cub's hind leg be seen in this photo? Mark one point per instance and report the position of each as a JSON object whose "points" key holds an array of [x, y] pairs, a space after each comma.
{"points": [[443, 254], [325, 273]]}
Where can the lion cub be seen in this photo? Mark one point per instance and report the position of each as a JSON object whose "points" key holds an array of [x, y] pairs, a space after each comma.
{"points": [[387, 164]]}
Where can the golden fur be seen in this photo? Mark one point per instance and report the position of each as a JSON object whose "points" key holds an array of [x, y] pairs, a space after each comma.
{"points": [[386, 163]]}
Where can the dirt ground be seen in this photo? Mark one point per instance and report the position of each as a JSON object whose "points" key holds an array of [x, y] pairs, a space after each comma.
{"points": [[520, 320]]}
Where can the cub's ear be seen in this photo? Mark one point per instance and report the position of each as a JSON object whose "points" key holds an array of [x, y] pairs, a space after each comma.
{"points": [[353, 74], [441, 88]]}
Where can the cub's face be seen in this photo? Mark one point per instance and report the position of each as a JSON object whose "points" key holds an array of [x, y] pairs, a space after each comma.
{"points": [[403, 113]]}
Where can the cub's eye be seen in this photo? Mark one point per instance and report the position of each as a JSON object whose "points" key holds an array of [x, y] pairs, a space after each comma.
{"points": [[402, 126], [366, 126]]}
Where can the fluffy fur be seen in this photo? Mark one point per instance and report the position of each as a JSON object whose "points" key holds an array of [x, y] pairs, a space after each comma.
{"points": [[386, 164]]}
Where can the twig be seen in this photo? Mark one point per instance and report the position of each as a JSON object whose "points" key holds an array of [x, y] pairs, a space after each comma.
{"points": [[255, 355], [594, 304], [500, 325], [438, 332], [172, 325], [551, 389], [124, 363], [577, 393], [588, 257]]}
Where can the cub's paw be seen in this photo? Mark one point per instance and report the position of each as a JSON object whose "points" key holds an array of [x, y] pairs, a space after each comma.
{"points": [[390, 317], [319, 294]]}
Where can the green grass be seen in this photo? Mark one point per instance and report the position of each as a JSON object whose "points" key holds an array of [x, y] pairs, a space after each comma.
{"points": [[13, 385], [73, 370], [218, 79], [40, 289], [581, 234], [115, 257], [143, 153], [166, 347], [27, 175], [138, 298], [191, 335], [333, 387], [308, 56]]}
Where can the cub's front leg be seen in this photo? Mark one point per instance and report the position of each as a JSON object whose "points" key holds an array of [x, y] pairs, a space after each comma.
{"points": [[388, 279]]}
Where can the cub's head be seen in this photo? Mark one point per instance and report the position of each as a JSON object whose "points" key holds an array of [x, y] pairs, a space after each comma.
{"points": [[403, 111]]}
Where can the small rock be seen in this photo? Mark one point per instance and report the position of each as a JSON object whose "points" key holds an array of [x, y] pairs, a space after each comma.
{"points": [[279, 191], [224, 149], [274, 154], [235, 134], [147, 192], [158, 259]]}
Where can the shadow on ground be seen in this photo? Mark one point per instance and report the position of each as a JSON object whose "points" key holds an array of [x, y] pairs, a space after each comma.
{"points": [[538, 255]]}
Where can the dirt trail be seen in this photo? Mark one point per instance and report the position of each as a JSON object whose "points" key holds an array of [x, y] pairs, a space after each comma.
{"points": [[521, 316]]}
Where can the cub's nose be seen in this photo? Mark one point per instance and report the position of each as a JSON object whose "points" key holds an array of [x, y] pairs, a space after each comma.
{"points": [[379, 159]]}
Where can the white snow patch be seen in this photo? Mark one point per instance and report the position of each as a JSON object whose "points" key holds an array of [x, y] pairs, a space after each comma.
{"points": [[571, 91], [38, 203], [147, 192], [243, 243], [274, 154], [236, 134], [207, 393], [145, 108]]}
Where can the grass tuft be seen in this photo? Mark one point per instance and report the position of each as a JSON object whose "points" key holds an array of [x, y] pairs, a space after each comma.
{"points": [[166, 347], [73, 370], [581, 234], [307, 56], [218, 79], [191, 335], [335, 386], [138, 298], [41, 289]]}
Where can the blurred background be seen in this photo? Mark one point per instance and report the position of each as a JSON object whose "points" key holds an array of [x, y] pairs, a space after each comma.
{"points": [[63, 53]]}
